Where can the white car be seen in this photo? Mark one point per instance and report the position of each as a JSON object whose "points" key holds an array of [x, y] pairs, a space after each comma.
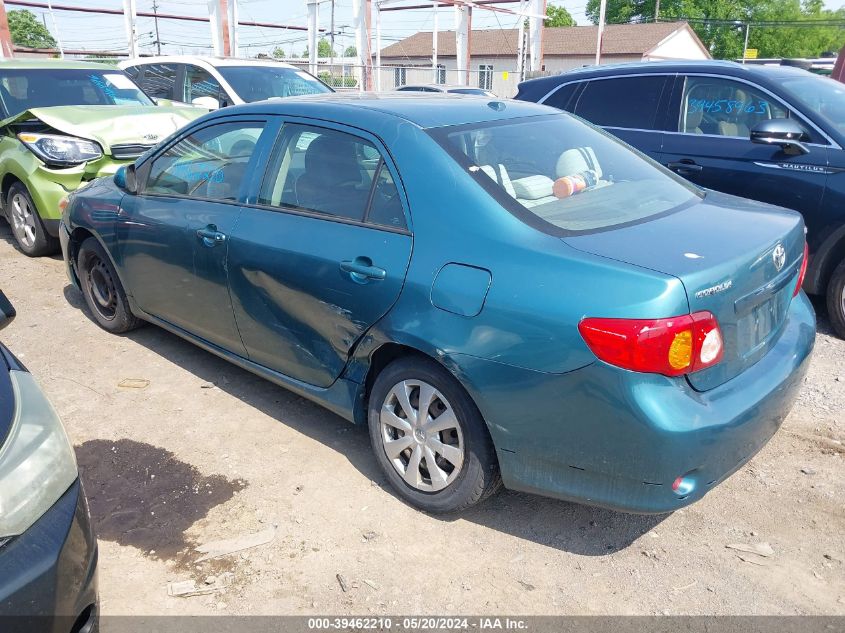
{"points": [[216, 82]]}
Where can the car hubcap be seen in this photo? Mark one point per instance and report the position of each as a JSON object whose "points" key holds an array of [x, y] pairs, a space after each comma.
{"points": [[23, 220], [102, 288], [421, 435]]}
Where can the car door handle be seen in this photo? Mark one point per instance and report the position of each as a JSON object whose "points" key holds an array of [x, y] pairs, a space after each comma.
{"points": [[210, 236], [361, 269], [685, 167]]}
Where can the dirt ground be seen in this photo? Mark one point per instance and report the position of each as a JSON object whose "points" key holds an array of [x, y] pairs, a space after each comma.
{"points": [[206, 451]]}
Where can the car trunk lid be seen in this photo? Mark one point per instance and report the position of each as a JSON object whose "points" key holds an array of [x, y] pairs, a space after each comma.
{"points": [[737, 259]]}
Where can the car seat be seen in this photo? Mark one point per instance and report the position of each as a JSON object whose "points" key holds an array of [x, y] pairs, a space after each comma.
{"points": [[692, 122], [736, 126], [332, 178]]}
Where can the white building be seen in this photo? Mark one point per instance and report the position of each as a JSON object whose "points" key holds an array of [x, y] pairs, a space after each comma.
{"points": [[493, 53]]}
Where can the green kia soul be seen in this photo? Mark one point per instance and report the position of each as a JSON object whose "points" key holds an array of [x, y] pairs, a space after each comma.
{"points": [[64, 124]]}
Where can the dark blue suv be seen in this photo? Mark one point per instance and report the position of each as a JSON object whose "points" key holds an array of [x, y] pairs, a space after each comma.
{"points": [[771, 133]]}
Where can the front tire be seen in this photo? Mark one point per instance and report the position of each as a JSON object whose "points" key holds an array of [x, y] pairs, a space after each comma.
{"points": [[29, 231], [102, 289], [429, 437], [836, 300]]}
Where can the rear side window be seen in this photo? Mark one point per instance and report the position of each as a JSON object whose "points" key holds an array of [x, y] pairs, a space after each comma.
{"points": [[134, 72], [723, 107], [160, 80], [210, 163], [627, 102], [560, 97], [334, 174]]}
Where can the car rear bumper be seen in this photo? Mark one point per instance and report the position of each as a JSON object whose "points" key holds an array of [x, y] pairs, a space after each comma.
{"points": [[606, 436], [48, 574]]}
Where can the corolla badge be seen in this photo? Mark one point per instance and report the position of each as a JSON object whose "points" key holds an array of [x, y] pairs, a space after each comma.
{"points": [[150, 137], [712, 290], [779, 256]]}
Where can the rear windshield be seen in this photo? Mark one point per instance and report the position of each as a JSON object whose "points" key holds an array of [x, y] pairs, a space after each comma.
{"points": [[22, 89], [257, 83], [564, 173]]}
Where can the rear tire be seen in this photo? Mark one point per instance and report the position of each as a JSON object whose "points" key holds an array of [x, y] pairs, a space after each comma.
{"points": [[27, 227], [102, 289], [836, 300], [440, 461]]}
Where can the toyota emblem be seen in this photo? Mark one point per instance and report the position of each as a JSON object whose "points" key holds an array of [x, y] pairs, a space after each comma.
{"points": [[779, 256]]}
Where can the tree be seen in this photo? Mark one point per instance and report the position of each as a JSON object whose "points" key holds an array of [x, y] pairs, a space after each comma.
{"points": [[278, 53], [324, 49], [558, 16], [27, 31], [350, 51], [725, 41]]}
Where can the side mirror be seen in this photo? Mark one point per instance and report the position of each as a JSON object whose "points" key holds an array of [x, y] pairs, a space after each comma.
{"points": [[206, 102], [124, 178], [785, 133], [7, 312]]}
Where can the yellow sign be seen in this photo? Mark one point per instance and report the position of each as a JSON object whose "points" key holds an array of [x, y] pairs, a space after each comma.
{"points": [[751, 53], [505, 75]]}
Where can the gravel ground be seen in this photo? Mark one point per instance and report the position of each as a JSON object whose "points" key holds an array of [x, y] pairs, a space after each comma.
{"points": [[194, 450]]}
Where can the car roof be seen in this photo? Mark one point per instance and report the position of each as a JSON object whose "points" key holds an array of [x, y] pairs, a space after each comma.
{"points": [[440, 86], [422, 109], [719, 67], [34, 64], [211, 60]]}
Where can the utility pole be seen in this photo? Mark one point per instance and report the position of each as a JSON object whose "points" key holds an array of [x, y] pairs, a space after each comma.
{"points": [[6, 48], [56, 29], [158, 39], [331, 40], [745, 46], [602, 10], [656, 10]]}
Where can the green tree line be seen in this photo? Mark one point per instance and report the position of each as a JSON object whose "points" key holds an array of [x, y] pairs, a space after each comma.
{"points": [[726, 41]]}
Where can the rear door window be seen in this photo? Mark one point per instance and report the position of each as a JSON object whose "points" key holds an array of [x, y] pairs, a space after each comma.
{"points": [[160, 81], [625, 102], [332, 173]]}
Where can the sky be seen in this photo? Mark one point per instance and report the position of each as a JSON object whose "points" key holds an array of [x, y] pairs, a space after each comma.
{"points": [[93, 32]]}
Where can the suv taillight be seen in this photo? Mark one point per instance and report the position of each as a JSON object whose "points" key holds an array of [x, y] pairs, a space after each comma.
{"points": [[672, 347]]}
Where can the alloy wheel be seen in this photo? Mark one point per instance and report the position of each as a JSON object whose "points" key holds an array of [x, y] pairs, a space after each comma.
{"points": [[23, 220], [101, 287], [421, 435]]}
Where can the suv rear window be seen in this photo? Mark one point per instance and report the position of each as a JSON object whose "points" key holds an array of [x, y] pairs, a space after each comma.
{"points": [[562, 175]]}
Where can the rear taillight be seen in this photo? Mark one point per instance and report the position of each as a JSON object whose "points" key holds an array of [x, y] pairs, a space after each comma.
{"points": [[803, 272], [672, 347]]}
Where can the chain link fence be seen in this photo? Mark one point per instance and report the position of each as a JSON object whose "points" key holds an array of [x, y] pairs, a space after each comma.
{"points": [[385, 78]]}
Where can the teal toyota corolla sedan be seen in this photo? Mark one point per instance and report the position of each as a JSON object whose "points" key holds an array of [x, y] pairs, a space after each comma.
{"points": [[502, 292]]}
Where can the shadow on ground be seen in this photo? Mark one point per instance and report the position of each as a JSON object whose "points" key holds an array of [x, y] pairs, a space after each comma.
{"points": [[561, 525], [141, 495]]}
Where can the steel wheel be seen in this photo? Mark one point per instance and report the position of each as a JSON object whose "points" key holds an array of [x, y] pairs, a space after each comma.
{"points": [[102, 289], [421, 435], [23, 220]]}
